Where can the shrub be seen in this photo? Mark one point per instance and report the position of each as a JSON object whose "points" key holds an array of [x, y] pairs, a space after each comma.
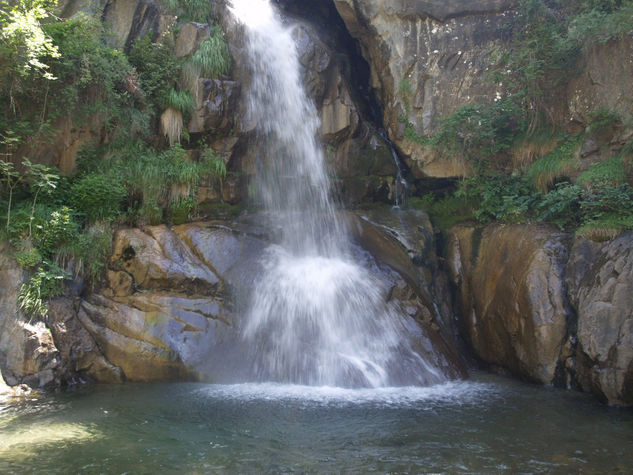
{"points": [[181, 210], [97, 196], [561, 205], [212, 164], [28, 256], [499, 197], [607, 200], [157, 71], [191, 10], [58, 229], [151, 213], [88, 253], [45, 283], [476, 132], [608, 171]]}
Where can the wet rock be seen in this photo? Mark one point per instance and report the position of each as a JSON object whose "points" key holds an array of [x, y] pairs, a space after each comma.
{"points": [[216, 104], [165, 330], [404, 241], [511, 290], [29, 356], [351, 140], [27, 350], [316, 58]]}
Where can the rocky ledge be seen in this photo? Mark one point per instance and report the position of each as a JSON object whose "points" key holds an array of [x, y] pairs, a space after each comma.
{"points": [[172, 304]]}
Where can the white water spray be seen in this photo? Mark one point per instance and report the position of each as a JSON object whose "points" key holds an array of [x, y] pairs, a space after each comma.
{"points": [[315, 317]]}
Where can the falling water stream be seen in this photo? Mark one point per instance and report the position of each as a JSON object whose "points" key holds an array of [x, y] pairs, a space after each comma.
{"points": [[316, 317]]}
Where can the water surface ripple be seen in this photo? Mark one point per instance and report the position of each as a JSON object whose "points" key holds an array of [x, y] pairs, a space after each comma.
{"points": [[484, 425]]}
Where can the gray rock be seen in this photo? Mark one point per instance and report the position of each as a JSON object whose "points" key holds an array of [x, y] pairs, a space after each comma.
{"points": [[601, 286]]}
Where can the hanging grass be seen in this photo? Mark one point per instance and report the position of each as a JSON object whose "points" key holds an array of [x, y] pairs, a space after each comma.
{"points": [[88, 254], [555, 164], [610, 171], [180, 100], [171, 124], [606, 227], [212, 59]]}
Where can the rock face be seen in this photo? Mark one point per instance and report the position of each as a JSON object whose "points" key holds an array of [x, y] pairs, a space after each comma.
{"points": [[604, 82], [176, 316], [27, 352], [601, 290], [512, 296], [546, 307], [172, 310], [167, 306], [427, 59], [357, 156]]}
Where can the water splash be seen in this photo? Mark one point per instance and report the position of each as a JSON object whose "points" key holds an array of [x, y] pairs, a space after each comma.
{"points": [[315, 316]]}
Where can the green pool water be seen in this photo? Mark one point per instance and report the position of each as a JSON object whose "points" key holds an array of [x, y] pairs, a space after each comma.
{"points": [[486, 424]]}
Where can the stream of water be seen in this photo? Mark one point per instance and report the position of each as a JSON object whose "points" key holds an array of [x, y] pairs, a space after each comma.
{"points": [[485, 425], [315, 316]]}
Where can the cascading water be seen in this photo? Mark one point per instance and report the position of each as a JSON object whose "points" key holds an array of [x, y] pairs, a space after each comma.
{"points": [[315, 316]]}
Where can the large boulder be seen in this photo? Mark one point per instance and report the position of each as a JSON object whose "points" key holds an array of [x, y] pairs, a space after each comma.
{"points": [[404, 240], [129, 20], [510, 284], [81, 357], [167, 309], [548, 307], [27, 351], [601, 290], [604, 82]]}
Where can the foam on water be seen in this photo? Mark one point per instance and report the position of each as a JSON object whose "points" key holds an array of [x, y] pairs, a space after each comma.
{"points": [[451, 393]]}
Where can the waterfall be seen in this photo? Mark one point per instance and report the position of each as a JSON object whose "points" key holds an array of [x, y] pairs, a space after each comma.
{"points": [[315, 317]]}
